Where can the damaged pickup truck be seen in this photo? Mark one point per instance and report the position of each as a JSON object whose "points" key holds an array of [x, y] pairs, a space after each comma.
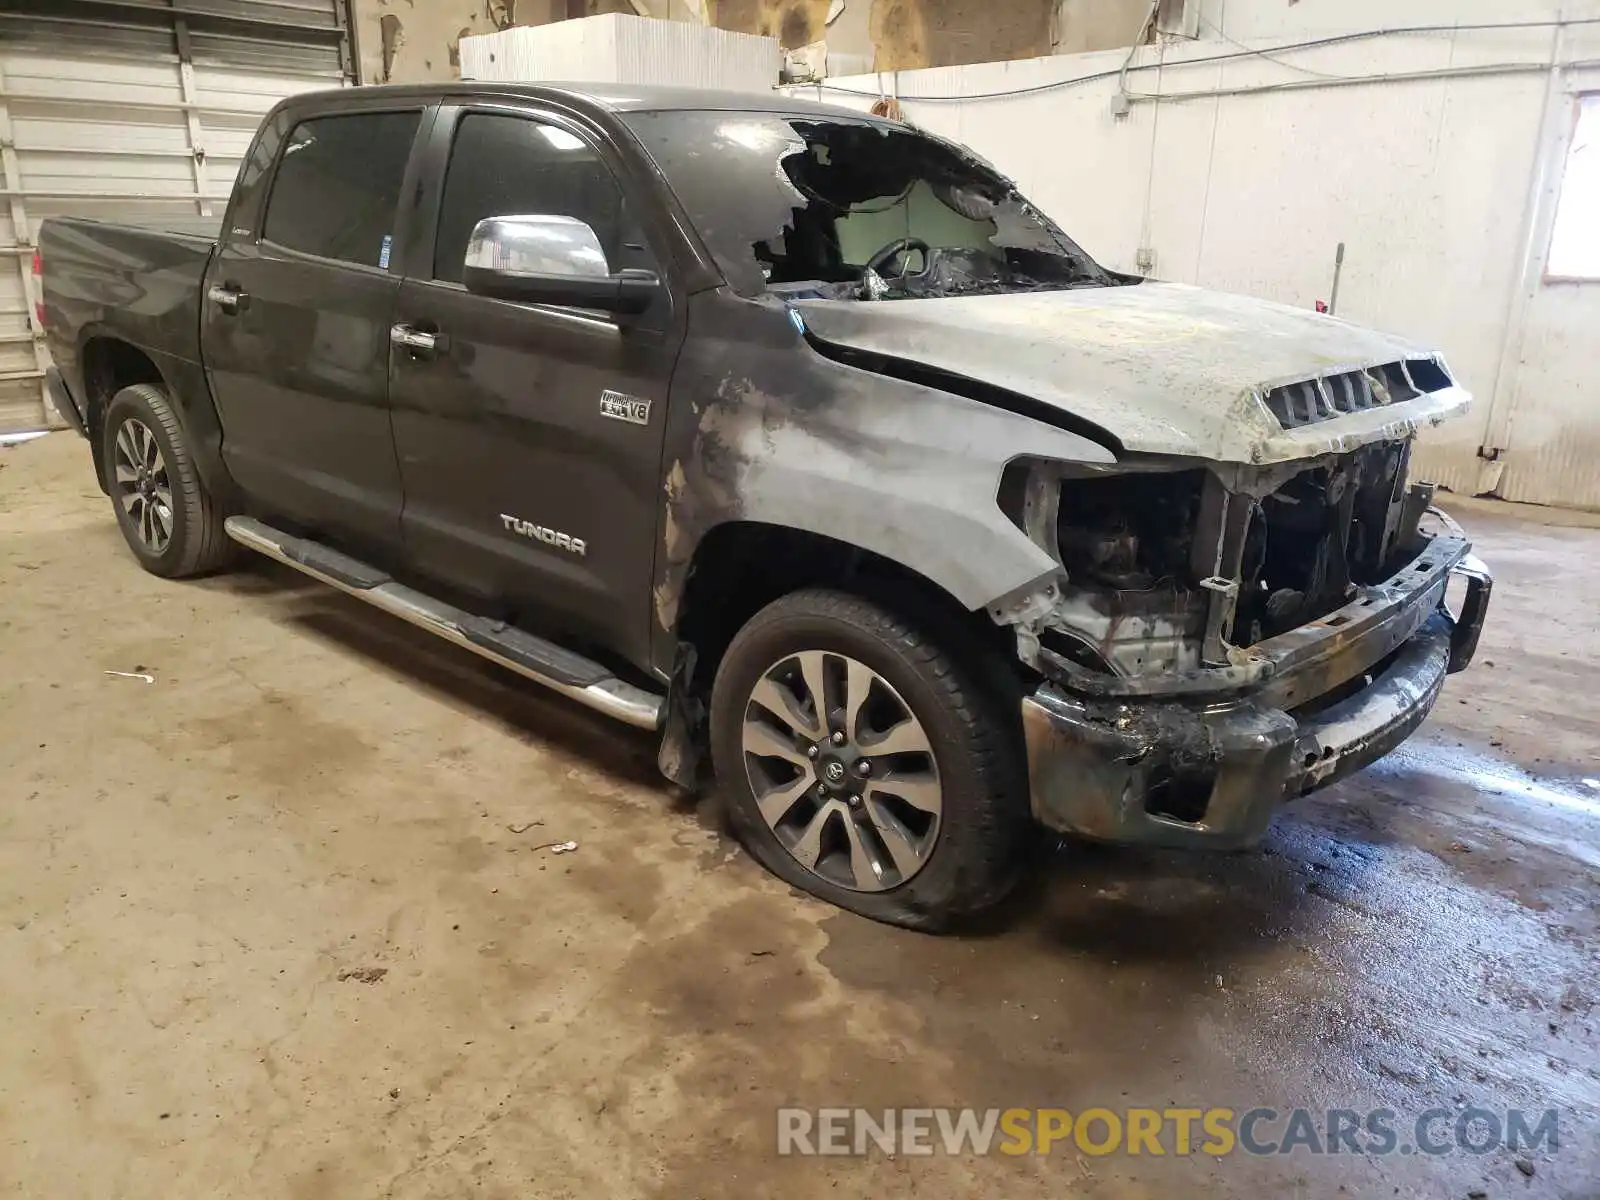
{"points": [[802, 440]]}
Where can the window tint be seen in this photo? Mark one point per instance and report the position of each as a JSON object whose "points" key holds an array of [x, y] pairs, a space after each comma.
{"points": [[338, 186], [505, 166]]}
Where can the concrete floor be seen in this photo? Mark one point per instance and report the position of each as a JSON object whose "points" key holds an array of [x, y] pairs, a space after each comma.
{"points": [[190, 870]]}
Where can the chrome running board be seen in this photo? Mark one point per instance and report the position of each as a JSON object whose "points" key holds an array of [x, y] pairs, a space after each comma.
{"points": [[544, 662]]}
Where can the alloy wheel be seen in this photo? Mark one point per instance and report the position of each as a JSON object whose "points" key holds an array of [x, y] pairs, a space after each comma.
{"points": [[842, 770], [143, 489]]}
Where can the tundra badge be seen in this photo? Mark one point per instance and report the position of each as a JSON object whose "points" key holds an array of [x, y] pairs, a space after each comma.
{"points": [[543, 533], [621, 407]]}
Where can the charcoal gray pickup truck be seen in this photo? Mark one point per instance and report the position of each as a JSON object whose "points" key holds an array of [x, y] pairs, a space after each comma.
{"points": [[801, 439]]}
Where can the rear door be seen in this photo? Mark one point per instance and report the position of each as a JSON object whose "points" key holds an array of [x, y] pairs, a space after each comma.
{"points": [[296, 320], [530, 439]]}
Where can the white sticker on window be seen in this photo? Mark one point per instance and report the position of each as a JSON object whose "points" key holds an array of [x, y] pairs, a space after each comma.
{"points": [[383, 254]]}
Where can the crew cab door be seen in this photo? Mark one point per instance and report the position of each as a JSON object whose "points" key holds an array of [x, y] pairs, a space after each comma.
{"points": [[530, 435], [295, 327]]}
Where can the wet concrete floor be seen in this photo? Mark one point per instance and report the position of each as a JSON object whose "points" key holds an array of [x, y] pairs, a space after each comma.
{"points": [[277, 925]]}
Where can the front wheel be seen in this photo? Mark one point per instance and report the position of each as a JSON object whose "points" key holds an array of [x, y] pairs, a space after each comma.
{"points": [[860, 763], [169, 520]]}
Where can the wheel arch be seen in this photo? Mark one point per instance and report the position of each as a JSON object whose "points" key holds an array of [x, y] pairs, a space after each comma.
{"points": [[741, 566], [109, 362]]}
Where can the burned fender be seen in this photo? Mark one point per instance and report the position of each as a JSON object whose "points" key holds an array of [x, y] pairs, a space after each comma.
{"points": [[766, 429]]}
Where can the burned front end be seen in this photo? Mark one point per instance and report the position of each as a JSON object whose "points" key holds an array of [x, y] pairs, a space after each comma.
{"points": [[1230, 636]]}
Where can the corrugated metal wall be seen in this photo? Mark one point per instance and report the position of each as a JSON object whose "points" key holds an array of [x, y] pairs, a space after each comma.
{"points": [[623, 49], [114, 108]]}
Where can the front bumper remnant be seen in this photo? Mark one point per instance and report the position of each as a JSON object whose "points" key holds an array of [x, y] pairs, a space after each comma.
{"points": [[1208, 767]]}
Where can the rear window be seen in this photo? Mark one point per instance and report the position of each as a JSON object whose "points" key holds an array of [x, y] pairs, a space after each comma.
{"points": [[338, 186]]}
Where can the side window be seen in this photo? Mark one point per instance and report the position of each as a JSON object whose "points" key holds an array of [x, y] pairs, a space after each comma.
{"points": [[505, 166], [338, 186]]}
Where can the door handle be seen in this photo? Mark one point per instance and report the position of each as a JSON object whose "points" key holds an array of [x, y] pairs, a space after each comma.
{"points": [[419, 342], [228, 297]]}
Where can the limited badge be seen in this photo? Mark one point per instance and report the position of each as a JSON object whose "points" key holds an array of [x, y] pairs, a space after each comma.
{"points": [[621, 407]]}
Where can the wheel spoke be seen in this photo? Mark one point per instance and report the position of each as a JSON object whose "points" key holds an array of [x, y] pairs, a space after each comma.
{"points": [[164, 495], [148, 445], [921, 792], [865, 868], [776, 700], [162, 521], [124, 474], [776, 804], [809, 847], [125, 446], [146, 523], [905, 738], [894, 838], [858, 681], [764, 741], [811, 670]]}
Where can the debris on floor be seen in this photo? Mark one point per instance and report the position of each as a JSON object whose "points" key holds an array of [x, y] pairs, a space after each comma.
{"points": [[363, 974]]}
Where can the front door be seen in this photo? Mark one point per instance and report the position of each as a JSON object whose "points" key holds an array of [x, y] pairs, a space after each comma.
{"points": [[530, 435], [296, 329]]}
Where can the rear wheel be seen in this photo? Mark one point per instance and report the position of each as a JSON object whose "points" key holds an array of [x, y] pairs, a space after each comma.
{"points": [[859, 762], [169, 520]]}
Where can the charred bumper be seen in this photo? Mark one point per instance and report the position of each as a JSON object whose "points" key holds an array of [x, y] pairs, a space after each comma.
{"points": [[1209, 762]]}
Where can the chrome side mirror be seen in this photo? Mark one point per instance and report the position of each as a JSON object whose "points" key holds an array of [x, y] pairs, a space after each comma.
{"points": [[543, 258], [538, 244]]}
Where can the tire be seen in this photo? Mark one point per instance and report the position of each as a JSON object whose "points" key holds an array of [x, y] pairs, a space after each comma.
{"points": [[141, 432], [935, 873]]}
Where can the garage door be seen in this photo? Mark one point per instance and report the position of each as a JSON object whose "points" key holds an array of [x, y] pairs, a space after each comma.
{"points": [[116, 108]]}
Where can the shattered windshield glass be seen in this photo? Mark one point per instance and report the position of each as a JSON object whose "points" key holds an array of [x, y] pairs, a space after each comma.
{"points": [[856, 209]]}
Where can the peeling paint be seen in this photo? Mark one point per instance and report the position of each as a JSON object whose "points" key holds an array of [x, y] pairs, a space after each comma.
{"points": [[1167, 369]]}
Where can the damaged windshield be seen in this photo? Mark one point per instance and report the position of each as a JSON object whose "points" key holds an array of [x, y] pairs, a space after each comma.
{"points": [[856, 209]]}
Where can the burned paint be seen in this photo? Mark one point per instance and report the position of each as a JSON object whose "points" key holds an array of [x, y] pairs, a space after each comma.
{"points": [[875, 406], [798, 441], [1167, 369], [1201, 773]]}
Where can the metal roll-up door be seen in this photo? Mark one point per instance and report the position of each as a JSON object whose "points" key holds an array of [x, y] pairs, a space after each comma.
{"points": [[127, 108]]}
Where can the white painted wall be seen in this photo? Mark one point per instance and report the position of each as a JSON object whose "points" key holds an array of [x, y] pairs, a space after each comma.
{"points": [[623, 49], [1441, 189]]}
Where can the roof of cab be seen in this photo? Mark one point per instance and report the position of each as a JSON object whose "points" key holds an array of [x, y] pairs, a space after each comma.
{"points": [[617, 97]]}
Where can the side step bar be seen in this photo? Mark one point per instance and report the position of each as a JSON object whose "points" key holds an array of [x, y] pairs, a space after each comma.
{"points": [[544, 662]]}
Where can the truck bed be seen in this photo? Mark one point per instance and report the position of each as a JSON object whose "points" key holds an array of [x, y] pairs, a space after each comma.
{"points": [[139, 280], [181, 225]]}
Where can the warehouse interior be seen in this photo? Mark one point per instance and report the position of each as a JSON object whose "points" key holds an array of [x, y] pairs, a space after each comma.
{"points": [[298, 900]]}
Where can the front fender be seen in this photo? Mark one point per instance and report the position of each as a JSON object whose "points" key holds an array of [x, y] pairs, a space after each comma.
{"points": [[763, 428]]}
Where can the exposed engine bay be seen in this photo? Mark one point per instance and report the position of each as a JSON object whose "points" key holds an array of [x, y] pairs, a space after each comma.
{"points": [[1172, 570]]}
